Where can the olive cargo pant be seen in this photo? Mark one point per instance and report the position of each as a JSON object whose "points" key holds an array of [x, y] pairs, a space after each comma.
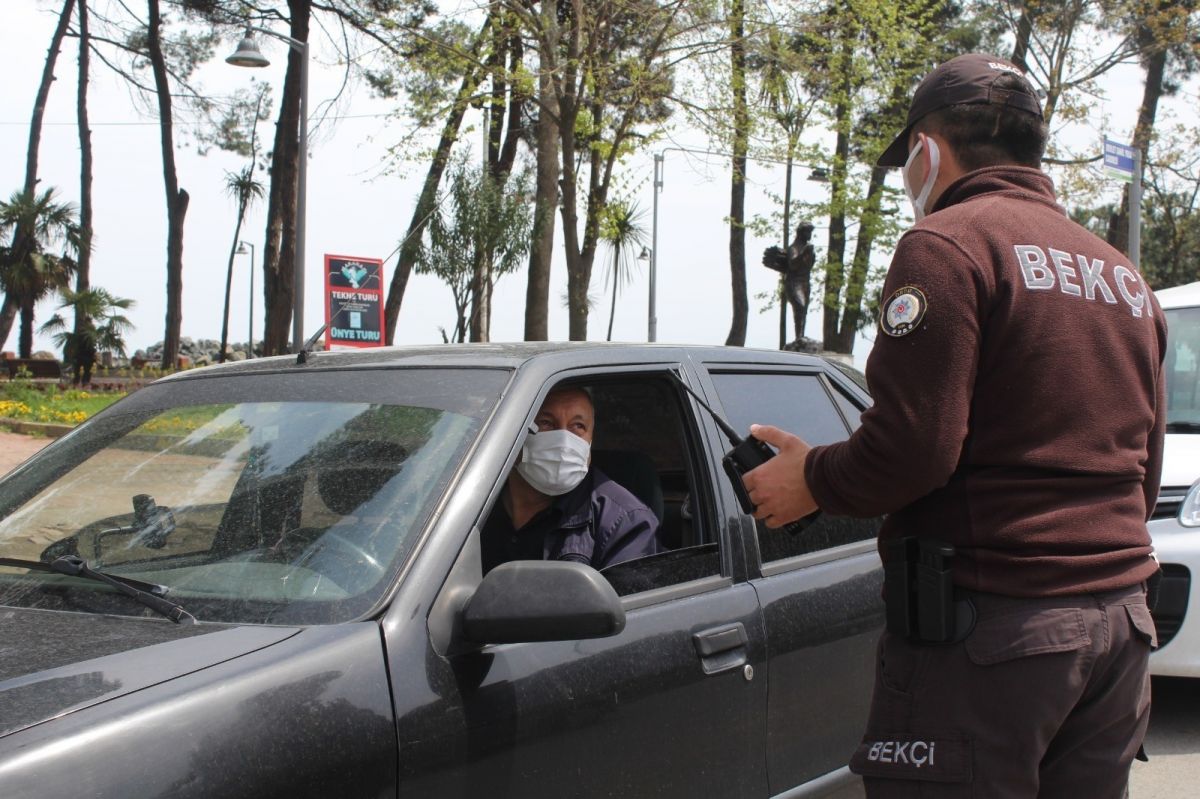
{"points": [[1045, 698]]}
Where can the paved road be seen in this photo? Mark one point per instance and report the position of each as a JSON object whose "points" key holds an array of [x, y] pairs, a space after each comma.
{"points": [[1173, 741], [15, 448]]}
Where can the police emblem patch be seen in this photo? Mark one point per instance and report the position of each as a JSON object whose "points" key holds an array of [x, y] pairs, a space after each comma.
{"points": [[903, 311]]}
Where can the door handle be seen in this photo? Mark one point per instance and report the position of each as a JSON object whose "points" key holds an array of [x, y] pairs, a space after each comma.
{"points": [[721, 648]]}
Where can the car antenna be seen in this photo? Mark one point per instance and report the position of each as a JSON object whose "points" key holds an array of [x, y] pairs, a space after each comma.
{"points": [[302, 356], [306, 350], [726, 428]]}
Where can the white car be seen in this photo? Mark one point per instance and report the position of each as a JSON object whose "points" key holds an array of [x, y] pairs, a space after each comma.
{"points": [[1175, 524]]}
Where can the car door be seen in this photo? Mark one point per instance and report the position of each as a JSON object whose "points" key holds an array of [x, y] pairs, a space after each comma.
{"points": [[819, 589], [672, 706]]}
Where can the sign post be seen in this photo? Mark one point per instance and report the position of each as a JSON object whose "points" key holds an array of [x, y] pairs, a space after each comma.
{"points": [[1124, 162], [353, 301]]}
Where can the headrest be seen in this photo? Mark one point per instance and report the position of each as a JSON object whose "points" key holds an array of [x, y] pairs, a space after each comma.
{"points": [[351, 473]]}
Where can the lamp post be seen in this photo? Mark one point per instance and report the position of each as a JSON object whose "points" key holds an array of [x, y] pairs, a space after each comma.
{"points": [[248, 55], [647, 254], [652, 321], [242, 245]]}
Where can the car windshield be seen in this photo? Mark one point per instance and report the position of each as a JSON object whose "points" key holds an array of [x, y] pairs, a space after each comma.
{"points": [[267, 498], [1183, 366]]}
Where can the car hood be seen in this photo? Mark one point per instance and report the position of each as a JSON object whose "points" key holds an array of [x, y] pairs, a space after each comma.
{"points": [[1181, 459], [53, 663]]}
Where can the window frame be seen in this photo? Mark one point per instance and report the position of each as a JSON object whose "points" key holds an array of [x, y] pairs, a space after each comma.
{"points": [[696, 454], [831, 381]]}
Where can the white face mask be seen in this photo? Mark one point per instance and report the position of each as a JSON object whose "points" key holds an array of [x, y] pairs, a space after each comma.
{"points": [[921, 198], [554, 461]]}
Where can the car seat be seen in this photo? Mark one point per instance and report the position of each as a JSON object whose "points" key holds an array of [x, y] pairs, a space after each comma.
{"points": [[635, 472]]}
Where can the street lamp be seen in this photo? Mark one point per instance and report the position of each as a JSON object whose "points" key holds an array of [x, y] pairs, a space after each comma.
{"points": [[248, 55], [652, 322], [647, 254], [241, 250]]}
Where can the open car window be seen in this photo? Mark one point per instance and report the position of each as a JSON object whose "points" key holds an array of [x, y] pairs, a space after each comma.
{"points": [[645, 442], [282, 505]]}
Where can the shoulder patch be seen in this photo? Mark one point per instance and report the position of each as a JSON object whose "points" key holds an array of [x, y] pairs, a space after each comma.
{"points": [[903, 311]]}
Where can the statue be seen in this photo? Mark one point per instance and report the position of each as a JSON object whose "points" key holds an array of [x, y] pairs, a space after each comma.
{"points": [[796, 267]]}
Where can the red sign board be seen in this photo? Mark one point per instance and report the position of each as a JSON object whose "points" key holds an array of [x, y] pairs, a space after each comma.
{"points": [[353, 302]]}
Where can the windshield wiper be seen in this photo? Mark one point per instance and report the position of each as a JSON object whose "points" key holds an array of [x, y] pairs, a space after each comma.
{"points": [[1183, 427], [149, 594]]}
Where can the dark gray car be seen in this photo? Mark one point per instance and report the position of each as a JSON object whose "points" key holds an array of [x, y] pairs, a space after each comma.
{"points": [[264, 579]]}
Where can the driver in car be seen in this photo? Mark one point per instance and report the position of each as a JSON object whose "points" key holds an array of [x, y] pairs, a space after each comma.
{"points": [[556, 506]]}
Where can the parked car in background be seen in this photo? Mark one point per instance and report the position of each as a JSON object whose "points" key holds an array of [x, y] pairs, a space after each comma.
{"points": [[1177, 614], [263, 579]]}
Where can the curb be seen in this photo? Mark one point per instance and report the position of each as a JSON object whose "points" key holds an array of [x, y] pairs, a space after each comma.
{"points": [[36, 428]]}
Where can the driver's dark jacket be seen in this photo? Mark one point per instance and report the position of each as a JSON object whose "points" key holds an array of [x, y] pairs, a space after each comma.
{"points": [[598, 523]]}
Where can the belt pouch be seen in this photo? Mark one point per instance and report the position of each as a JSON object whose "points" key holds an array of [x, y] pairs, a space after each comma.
{"points": [[899, 579], [935, 592]]}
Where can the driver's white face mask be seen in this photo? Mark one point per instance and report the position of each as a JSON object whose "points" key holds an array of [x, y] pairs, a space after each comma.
{"points": [[921, 198], [554, 461]]}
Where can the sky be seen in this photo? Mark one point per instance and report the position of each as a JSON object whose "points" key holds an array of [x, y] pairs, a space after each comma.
{"points": [[357, 208]]}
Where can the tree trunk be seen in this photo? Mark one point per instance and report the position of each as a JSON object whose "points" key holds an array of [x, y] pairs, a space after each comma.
{"points": [[1024, 33], [737, 202], [8, 315], [279, 247], [237, 233], [1118, 223], [83, 267], [835, 268], [852, 310], [25, 335], [537, 291], [612, 311], [787, 233], [410, 246], [39, 103], [177, 198], [20, 235]]}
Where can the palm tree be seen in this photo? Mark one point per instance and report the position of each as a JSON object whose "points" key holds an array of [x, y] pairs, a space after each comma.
{"points": [[623, 231], [244, 189], [81, 345], [28, 270]]}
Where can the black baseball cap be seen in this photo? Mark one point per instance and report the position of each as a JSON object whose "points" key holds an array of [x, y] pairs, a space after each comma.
{"points": [[964, 80]]}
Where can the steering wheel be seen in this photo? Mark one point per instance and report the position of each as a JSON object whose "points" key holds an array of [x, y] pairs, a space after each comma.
{"points": [[348, 563]]}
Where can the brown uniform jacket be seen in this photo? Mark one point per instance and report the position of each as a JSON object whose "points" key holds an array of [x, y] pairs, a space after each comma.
{"points": [[1021, 417]]}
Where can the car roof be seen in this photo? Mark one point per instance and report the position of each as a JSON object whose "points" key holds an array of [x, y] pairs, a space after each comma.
{"points": [[1179, 296], [504, 355]]}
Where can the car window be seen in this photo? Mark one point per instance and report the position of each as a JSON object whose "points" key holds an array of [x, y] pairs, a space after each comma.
{"points": [[286, 505], [794, 402], [1183, 366], [800, 404], [646, 445]]}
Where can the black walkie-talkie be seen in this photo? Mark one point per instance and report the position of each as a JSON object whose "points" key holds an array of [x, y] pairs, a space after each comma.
{"points": [[748, 453]]}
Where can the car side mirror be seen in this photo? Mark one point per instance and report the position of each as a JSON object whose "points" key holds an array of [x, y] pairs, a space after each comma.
{"points": [[535, 600]]}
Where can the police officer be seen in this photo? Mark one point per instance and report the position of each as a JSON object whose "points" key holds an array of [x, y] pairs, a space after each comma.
{"points": [[1016, 443]]}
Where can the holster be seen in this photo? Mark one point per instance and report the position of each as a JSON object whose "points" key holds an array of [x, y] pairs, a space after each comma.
{"points": [[919, 596]]}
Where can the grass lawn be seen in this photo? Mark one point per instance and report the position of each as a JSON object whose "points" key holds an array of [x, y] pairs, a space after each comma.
{"points": [[21, 400]]}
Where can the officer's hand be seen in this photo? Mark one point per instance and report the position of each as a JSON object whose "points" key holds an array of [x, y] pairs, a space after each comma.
{"points": [[777, 488]]}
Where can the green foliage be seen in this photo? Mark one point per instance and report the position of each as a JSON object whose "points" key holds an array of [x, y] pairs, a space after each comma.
{"points": [[35, 226], [480, 221], [103, 328], [235, 119], [623, 229]]}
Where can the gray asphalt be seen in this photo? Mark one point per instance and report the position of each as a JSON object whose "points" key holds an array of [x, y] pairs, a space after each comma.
{"points": [[1173, 743]]}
